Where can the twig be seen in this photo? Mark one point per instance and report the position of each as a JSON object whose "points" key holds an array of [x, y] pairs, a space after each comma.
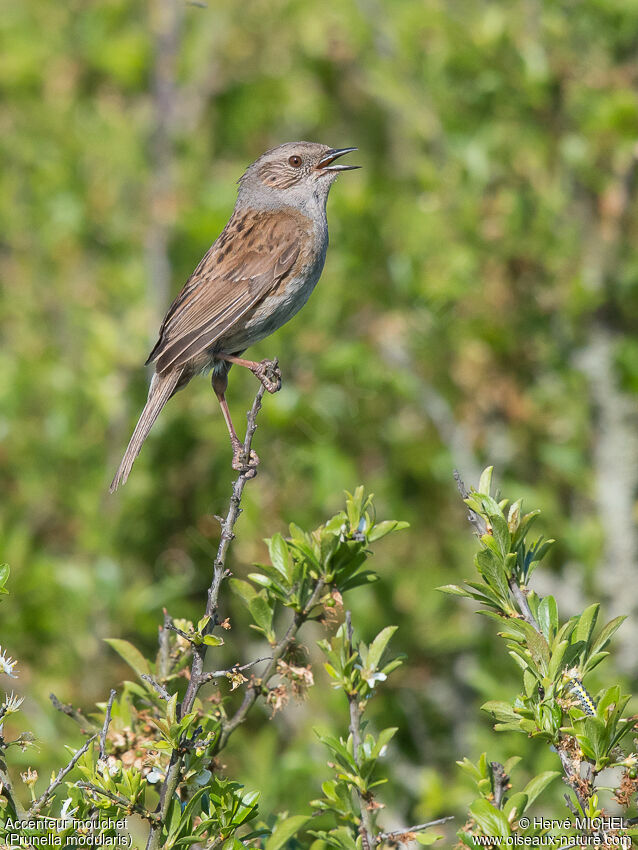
{"points": [[107, 723], [523, 605], [366, 828], [35, 808], [197, 674], [217, 674], [120, 801], [501, 781], [253, 690], [163, 661], [86, 726], [419, 827], [572, 779], [161, 690], [181, 633]]}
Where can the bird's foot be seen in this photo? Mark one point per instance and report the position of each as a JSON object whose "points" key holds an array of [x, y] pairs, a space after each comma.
{"points": [[247, 466], [269, 374]]}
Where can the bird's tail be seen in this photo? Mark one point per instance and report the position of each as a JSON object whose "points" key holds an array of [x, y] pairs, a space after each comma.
{"points": [[161, 389]]}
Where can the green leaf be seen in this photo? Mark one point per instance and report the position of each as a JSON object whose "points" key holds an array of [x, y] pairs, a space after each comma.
{"points": [[285, 830], [130, 654], [378, 646], [381, 529], [539, 648], [606, 633], [426, 838], [280, 556], [515, 806], [364, 577], [491, 568], [556, 661], [213, 640], [454, 590], [262, 613], [384, 739], [548, 616], [586, 623], [538, 784], [485, 481], [594, 661], [501, 533], [233, 844], [171, 710], [511, 763], [501, 711], [4, 574], [491, 821], [260, 579], [244, 589]]}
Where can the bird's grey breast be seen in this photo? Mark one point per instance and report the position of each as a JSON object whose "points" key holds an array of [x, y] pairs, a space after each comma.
{"points": [[289, 294]]}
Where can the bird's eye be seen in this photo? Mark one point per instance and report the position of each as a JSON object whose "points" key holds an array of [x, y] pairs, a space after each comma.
{"points": [[295, 161]]}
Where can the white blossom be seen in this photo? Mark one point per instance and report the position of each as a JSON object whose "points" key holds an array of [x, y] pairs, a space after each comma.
{"points": [[7, 664]]}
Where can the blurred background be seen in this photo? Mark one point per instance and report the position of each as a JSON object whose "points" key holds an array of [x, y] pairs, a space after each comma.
{"points": [[478, 305]]}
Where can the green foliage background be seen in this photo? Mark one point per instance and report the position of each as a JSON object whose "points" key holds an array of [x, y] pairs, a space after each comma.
{"points": [[481, 258]]}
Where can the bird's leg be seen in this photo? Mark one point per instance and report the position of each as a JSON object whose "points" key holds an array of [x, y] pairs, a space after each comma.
{"points": [[267, 371], [240, 462]]}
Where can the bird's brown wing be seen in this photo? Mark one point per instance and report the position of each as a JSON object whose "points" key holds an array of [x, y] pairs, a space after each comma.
{"points": [[246, 262]]}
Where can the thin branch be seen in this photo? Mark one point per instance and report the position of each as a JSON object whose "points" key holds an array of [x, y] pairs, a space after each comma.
{"points": [[256, 688], [523, 605], [197, 674], [42, 800], [366, 828], [573, 779], [182, 633], [501, 782], [217, 674], [419, 827], [161, 690], [164, 655], [107, 723], [86, 726], [120, 801]]}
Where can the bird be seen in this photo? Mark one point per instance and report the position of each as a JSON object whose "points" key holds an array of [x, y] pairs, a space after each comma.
{"points": [[255, 277]]}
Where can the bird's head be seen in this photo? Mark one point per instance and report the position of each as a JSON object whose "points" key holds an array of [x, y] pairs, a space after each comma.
{"points": [[297, 174]]}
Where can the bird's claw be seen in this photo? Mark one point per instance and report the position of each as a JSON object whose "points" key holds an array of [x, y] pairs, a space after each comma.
{"points": [[269, 374], [240, 464]]}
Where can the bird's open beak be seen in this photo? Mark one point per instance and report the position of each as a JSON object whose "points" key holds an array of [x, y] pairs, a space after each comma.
{"points": [[325, 163]]}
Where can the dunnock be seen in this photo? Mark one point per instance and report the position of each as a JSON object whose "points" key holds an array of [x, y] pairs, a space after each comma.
{"points": [[254, 278]]}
